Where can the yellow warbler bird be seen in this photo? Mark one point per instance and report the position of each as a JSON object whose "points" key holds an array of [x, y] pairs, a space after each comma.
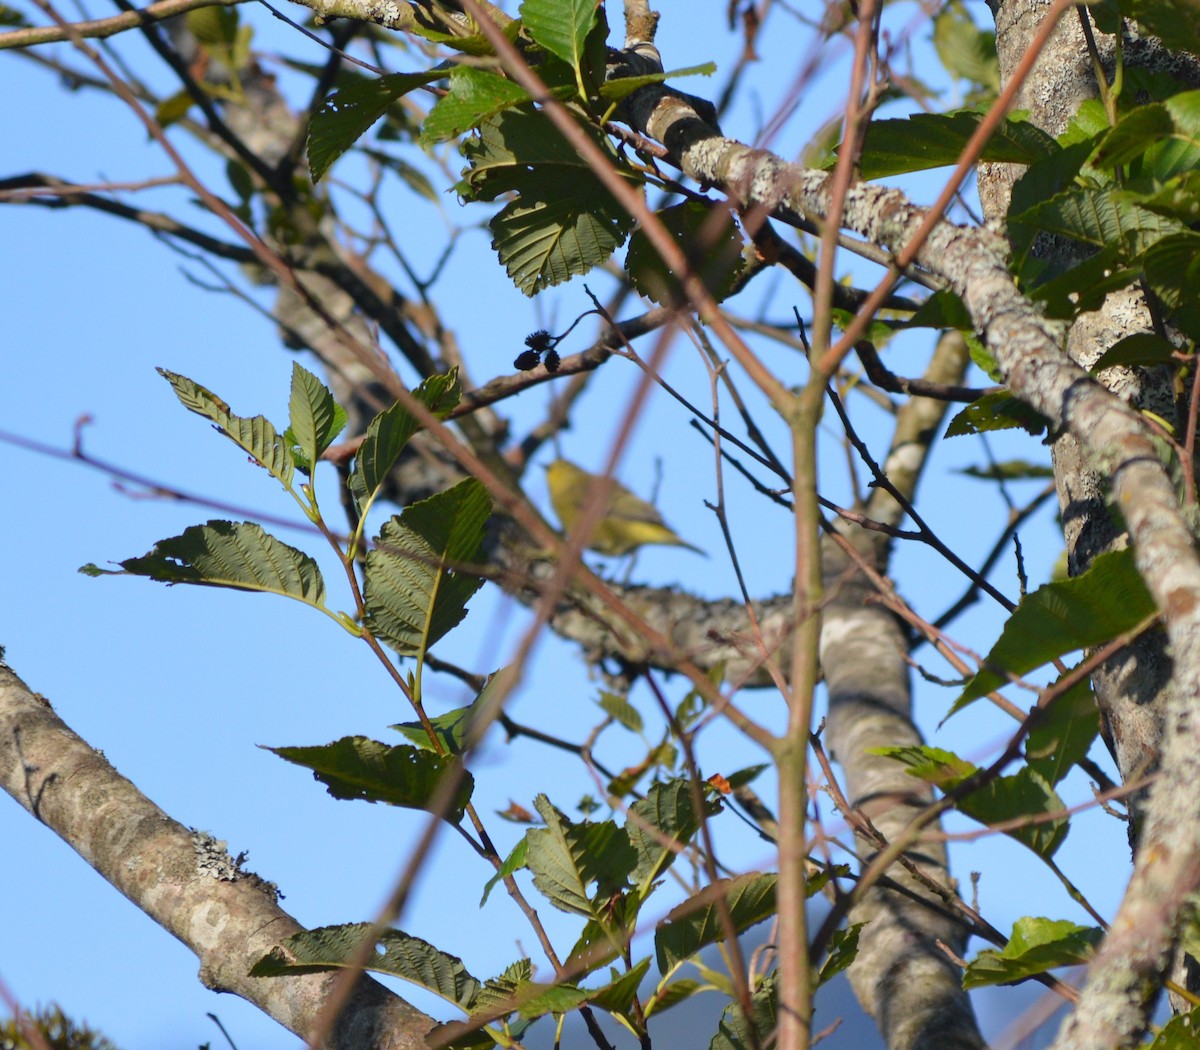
{"points": [[629, 522]]}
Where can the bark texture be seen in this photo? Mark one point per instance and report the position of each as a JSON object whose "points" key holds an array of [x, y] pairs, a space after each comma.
{"points": [[182, 879]]}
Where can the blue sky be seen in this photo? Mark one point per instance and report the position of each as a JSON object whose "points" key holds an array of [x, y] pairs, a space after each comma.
{"points": [[177, 686]]}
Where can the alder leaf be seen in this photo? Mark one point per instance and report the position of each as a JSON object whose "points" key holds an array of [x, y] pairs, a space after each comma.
{"points": [[1035, 947], [255, 435], [394, 953], [357, 767], [416, 589], [238, 555]]}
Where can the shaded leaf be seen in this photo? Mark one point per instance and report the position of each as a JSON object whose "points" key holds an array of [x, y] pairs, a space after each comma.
{"points": [[567, 859], [391, 430], [843, 949], [709, 240], [696, 923], [357, 767], [996, 411], [255, 435], [515, 861], [617, 996], [621, 710], [1025, 794], [673, 994], [451, 729], [1179, 1033], [736, 1032], [1036, 946], [934, 140], [623, 87], [1064, 735], [232, 554], [560, 26], [1058, 618], [395, 953], [415, 591], [347, 115], [668, 810]]}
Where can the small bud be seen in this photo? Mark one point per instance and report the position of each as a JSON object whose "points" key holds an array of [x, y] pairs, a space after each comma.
{"points": [[526, 360], [552, 360]]}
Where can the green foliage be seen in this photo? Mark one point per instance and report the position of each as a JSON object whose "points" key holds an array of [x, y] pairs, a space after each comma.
{"points": [[998, 410], [349, 113], [1179, 1033], [416, 590], [1035, 947], [936, 140], [356, 767], [697, 922], [55, 1031], [1061, 617], [711, 243], [737, 1032], [543, 237], [315, 419], [393, 952], [1026, 800], [390, 431], [239, 555], [255, 436]]}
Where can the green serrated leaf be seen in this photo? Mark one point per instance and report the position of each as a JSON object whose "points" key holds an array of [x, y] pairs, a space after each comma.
{"points": [[1036, 946], [315, 418], [1058, 618], [710, 241], [998, 410], [1025, 794], [451, 729], [1172, 268], [560, 26], [173, 109], [1141, 348], [238, 555], [935, 140], [1100, 217], [666, 817], [475, 95], [546, 238], [357, 767], [696, 923], [256, 436], [737, 1032], [621, 710], [1010, 470], [394, 953], [415, 589], [347, 115], [1174, 22], [567, 859], [843, 949], [391, 430]]}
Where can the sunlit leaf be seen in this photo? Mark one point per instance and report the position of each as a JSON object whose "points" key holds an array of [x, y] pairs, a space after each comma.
{"points": [[1036, 946], [315, 418], [696, 923]]}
